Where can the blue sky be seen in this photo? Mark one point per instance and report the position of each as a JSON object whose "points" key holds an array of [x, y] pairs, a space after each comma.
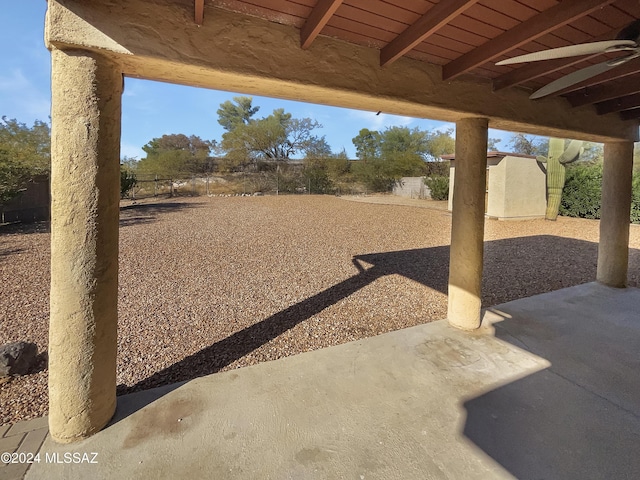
{"points": [[151, 109]]}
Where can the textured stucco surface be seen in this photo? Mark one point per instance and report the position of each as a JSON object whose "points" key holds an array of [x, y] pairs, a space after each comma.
{"points": [[85, 191], [159, 40], [467, 224], [613, 248], [516, 189]]}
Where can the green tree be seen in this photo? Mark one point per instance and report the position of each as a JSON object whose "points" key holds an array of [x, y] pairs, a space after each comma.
{"points": [[339, 167], [13, 177], [277, 138], [24, 153], [316, 167], [29, 146], [367, 144], [236, 113], [176, 155], [440, 143], [398, 152]]}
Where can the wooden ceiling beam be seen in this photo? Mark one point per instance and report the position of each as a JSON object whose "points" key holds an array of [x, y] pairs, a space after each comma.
{"points": [[437, 16], [546, 21], [604, 92], [630, 114], [199, 11], [318, 18], [618, 104]]}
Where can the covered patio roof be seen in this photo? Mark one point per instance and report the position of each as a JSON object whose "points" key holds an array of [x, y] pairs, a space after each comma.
{"points": [[467, 37], [411, 57]]}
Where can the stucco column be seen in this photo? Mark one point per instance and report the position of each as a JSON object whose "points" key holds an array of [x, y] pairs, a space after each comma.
{"points": [[467, 224], [85, 194], [613, 249]]}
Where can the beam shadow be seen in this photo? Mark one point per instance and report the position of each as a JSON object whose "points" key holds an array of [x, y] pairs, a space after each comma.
{"points": [[569, 262], [144, 213]]}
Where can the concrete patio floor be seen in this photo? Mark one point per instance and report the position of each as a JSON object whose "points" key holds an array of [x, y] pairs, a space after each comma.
{"points": [[549, 388]]}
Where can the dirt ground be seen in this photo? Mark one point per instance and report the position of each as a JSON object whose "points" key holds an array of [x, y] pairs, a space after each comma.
{"points": [[211, 284]]}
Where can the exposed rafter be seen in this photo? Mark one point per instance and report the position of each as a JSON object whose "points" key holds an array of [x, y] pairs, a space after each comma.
{"points": [[438, 16], [535, 27], [630, 114], [601, 93], [319, 17], [199, 11], [618, 104]]}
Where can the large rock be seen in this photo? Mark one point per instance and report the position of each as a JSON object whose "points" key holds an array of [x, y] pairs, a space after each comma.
{"points": [[17, 358]]}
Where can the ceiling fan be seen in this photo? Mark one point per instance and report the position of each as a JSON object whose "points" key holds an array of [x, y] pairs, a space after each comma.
{"points": [[628, 40]]}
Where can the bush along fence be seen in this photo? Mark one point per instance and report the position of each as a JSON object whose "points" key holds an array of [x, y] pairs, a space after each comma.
{"points": [[582, 192]]}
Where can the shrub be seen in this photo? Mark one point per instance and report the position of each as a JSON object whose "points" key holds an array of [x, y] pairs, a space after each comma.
{"points": [[635, 198], [438, 186], [13, 177], [127, 182], [582, 191]]}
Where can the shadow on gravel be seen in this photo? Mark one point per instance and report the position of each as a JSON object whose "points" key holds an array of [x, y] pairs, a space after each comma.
{"points": [[143, 213], [563, 262], [19, 228], [10, 251], [135, 214]]}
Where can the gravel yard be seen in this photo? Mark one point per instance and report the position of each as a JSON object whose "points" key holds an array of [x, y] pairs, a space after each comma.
{"points": [[211, 284]]}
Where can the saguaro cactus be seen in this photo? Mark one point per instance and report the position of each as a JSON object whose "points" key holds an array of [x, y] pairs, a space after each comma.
{"points": [[556, 161]]}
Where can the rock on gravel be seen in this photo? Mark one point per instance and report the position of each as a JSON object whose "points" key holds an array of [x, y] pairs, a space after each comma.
{"points": [[210, 283], [17, 358]]}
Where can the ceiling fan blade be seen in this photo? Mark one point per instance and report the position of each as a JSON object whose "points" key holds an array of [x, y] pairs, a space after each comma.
{"points": [[573, 78], [573, 51]]}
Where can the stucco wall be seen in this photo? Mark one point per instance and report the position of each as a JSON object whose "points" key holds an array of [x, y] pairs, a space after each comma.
{"points": [[525, 188], [412, 187]]}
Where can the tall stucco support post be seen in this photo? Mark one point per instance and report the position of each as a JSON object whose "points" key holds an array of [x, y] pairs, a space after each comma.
{"points": [[85, 194], [613, 249], [467, 224]]}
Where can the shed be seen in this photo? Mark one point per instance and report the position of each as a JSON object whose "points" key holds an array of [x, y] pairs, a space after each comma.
{"points": [[516, 186]]}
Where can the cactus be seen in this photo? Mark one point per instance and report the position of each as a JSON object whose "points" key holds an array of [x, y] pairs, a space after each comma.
{"points": [[556, 161]]}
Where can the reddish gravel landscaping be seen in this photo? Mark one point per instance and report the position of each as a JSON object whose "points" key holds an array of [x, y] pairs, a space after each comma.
{"points": [[211, 284]]}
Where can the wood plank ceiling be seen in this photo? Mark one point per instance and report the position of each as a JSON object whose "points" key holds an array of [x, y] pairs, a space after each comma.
{"points": [[467, 37]]}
